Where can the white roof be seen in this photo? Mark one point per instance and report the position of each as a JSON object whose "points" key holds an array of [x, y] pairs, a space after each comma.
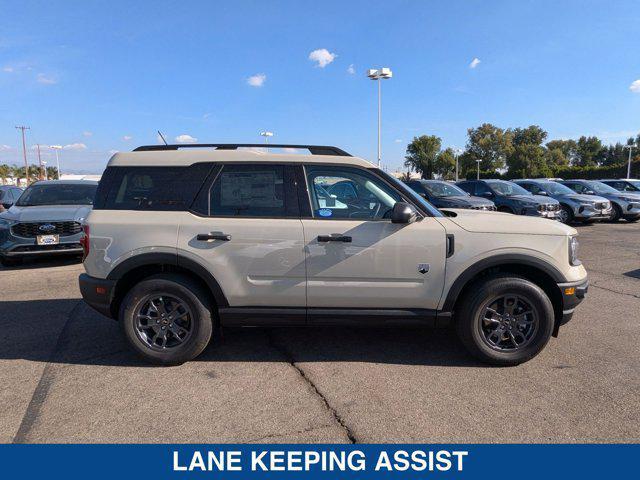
{"points": [[190, 156]]}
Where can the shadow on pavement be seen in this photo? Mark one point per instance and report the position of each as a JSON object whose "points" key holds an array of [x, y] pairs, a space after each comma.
{"points": [[45, 262], [69, 332]]}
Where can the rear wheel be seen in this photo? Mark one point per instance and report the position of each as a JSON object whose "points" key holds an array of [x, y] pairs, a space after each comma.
{"points": [[565, 214], [166, 319], [505, 210], [505, 320]]}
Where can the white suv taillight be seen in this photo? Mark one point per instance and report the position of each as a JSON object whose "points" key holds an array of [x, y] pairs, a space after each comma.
{"points": [[84, 241]]}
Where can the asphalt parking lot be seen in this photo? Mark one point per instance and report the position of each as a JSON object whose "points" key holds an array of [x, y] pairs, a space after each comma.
{"points": [[67, 375]]}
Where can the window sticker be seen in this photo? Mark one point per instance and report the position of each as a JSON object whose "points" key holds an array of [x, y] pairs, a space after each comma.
{"points": [[325, 212], [254, 188]]}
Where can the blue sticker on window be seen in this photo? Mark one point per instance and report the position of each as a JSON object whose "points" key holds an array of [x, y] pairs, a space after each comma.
{"points": [[325, 212]]}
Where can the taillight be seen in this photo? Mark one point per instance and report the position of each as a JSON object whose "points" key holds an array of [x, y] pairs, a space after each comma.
{"points": [[84, 241]]}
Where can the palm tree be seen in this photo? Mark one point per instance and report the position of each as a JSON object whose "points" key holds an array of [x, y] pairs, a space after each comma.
{"points": [[52, 173], [5, 171]]}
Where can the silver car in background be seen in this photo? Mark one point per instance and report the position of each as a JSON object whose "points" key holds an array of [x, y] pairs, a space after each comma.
{"points": [[624, 204], [46, 220], [573, 206]]}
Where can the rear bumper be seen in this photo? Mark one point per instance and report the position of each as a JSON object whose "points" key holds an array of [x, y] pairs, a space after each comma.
{"points": [[573, 293], [97, 293]]}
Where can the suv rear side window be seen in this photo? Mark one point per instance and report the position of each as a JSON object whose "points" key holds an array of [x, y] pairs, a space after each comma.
{"points": [[249, 190], [152, 188]]}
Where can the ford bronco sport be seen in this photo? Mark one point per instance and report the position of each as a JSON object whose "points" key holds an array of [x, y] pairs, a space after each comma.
{"points": [[185, 238]]}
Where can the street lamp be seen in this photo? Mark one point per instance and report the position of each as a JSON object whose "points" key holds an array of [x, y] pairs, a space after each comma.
{"points": [[379, 74], [457, 152], [44, 167], [266, 135], [56, 148], [478, 162], [630, 147]]}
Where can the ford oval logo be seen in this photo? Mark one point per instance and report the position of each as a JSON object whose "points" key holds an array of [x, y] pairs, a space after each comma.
{"points": [[47, 227]]}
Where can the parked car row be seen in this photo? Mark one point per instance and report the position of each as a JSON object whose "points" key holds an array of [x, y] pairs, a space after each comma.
{"points": [[567, 201]]}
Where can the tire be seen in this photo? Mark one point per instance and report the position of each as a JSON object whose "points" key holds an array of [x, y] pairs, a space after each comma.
{"points": [[506, 210], [632, 219], [566, 214], [10, 261], [167, 291], [471, 323], [616, 213]]}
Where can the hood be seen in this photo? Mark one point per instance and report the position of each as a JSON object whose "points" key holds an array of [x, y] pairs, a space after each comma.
{"points": [[533, 199], [464, 200], [479, 221], [584, 198], [47, 213]]}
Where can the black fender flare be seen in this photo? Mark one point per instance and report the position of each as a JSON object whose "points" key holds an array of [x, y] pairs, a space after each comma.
{"points": [[496, 261], [159, 258]]}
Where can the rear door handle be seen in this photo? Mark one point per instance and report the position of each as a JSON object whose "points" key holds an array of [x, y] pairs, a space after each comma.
{"points": [[203, 237], [334, 238]]}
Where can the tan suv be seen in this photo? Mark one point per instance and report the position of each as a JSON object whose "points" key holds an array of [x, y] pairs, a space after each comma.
{"points": [[186, 238]]}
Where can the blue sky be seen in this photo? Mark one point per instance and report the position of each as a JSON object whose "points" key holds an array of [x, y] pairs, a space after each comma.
{"points": [[103, 76]]}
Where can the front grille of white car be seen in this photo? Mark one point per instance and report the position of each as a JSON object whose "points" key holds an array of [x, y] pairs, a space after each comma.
{"points": [[548, 207]]}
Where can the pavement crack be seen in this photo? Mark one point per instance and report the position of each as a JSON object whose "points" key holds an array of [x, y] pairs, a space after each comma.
{"points": [[41, 391], [594, 285], [281, 435], [291, 360]]}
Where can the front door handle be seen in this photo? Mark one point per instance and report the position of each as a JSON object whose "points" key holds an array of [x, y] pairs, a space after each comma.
{"points": [[334, 238], [203, 237]]}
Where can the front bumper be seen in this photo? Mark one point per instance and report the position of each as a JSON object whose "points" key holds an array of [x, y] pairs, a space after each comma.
{"points": [[573, 293], [14, 246], [534, 212], [98, 293], [588, 212]]}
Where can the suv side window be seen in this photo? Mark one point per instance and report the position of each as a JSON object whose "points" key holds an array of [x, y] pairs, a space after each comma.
{"points": [[467, 187], [531, 187], [150, 188], [249, 190], [576, 187], [623, 186], [349, 193], [481, 189]]}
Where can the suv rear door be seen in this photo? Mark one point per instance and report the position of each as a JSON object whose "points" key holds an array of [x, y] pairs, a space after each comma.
{"points": [[357, 258], [245, 229]]}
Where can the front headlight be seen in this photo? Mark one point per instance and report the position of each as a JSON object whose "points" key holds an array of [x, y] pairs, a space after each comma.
{"points": [[573, 252]]}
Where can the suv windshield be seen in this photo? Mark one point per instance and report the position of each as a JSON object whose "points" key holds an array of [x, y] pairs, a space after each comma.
{"points": [[554, 188], [507, 188], [61, 194], [443, 189], [600, 187]]}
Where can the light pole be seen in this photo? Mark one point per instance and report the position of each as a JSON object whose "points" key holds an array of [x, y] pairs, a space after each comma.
{"points": [[56, 148], [22, 128], [478, 162], [457, 152], [630, 147], [379, 74], [266, 134]]}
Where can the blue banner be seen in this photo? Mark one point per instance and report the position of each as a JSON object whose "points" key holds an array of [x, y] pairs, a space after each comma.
{"points": [[318, 461]]}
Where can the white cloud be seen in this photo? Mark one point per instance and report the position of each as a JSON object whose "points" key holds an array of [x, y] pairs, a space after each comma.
{"points": [[257, 80], [474, 63], [126, 138], [87, 133], [75, 146], [45, 80], [322, 57], [8, 69], [351, 69], [184, 138], [398, 140], [635, 86], [4, 148], [206, 115]]}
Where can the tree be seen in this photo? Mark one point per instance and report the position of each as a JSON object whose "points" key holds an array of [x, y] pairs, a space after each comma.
{"points": [[561, 152], [487, 143], [527, 157], [422, 154], [446, 164], [52, 173], [589, 151], [5, 171]]}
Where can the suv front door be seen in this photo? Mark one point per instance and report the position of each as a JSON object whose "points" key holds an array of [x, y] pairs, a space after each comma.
{"points": [[355, 256], [245, 229]]}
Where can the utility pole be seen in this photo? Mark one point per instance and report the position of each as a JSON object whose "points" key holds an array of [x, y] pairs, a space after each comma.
{"points": [[24, 154], [630, 147]]}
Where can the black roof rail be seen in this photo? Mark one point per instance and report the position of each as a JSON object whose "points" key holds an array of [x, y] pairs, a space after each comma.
{"points": [[313, 149]]}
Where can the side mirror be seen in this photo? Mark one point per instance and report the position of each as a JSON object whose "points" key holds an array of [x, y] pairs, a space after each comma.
{"points": [[543, 193], [487, 195], [589, 192], [403, 213], [7, 205], [468, 194]]}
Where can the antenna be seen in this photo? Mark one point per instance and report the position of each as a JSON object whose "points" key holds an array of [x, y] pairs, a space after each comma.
{"points": [[162, 137]]}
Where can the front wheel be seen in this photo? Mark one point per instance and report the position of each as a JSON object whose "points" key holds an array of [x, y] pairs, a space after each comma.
{"points": [[616, 213], [505, 320], [565, 214], [166, 319]]}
